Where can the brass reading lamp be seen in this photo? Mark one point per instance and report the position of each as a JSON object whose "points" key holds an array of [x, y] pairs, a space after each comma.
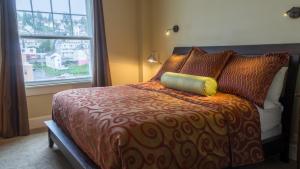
{"points": [[174, 29], [293, 13], [154, 58]]}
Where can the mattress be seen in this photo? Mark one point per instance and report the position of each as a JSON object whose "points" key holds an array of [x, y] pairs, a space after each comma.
{"points": [[270, 119]]}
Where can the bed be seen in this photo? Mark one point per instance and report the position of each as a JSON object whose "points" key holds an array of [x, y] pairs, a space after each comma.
{"points": [[138, 126]]}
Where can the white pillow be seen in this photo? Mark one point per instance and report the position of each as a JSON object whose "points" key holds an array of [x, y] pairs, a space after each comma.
{"points": [[275, 89]]}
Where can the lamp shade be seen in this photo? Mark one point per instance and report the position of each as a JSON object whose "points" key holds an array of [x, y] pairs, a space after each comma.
{"points": [[153, 58]]}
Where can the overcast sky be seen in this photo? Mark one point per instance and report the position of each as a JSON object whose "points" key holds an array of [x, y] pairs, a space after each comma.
{"points": [[60, 6]]}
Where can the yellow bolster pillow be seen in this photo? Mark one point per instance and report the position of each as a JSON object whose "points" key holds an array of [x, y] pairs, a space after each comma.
{"points": [[189, 83]]}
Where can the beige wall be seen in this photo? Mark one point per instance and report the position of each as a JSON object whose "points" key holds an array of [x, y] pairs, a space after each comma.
{"points": [[217, 22], [121, 21], [39, 105], [145, 40], [39, 99]]}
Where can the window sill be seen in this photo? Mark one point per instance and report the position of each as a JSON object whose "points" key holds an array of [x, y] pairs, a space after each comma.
{"points": [[48, 88], [57, 82]]}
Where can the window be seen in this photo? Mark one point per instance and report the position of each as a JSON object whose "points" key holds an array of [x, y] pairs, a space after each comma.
{"points": [[55, 40]]}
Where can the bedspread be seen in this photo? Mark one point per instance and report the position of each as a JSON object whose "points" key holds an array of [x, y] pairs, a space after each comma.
{"points": [[147, 126]]}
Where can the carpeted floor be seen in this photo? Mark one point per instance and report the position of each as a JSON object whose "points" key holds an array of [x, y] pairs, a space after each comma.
{"points": [[32, 152]]}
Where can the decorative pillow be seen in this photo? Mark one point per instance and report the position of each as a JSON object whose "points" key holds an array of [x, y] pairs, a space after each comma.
{"points": [[194, 84], [208, 64], [173, 64], [251, 77]]}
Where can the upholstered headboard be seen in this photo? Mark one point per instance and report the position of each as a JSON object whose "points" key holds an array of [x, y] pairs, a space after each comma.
{"points": [[288, 96]]}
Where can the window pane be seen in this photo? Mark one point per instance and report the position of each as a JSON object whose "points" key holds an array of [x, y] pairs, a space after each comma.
{"points": [[41, 5], [48, 59], [80, 25], [78, 7], [45, 60], [60, 6], [62, 24], [43, 24], [25, 22], [23, 5]]}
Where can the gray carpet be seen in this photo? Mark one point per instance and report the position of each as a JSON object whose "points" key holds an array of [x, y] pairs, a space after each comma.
{"points": [[32, 152]]}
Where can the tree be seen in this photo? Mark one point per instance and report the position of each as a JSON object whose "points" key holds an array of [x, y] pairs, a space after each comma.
{"points": [[38, 19], [67, 24], [41, 23], [27, 19], [83, 21], [45, 47]]}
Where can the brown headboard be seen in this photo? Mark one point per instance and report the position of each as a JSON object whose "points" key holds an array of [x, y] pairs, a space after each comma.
{"points": [[287, 98]]}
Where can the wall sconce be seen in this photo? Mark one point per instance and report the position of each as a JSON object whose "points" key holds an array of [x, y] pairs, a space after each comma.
{"points": [[153, 58], [175, 29], [293, 13]]}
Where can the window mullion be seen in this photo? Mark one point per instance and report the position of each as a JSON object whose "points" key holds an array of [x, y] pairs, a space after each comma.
{"points": [[51, 5], [90, 28], [70, 12], [33, 20], [89, 16]]}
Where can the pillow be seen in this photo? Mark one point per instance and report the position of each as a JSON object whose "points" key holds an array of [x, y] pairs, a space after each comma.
{"points": [[208, 64], [275, 89], [194, 84], [173, 64], [251, 77]]}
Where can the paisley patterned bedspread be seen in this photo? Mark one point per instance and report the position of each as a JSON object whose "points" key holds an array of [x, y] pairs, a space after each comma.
{"points": [[147, 126]]}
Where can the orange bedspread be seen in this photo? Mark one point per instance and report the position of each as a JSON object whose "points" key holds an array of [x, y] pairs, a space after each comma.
{"points": [[147, 126]]}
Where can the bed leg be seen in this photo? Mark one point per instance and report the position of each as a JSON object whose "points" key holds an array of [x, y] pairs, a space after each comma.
{"points": [[284, 156], [50, 141]]}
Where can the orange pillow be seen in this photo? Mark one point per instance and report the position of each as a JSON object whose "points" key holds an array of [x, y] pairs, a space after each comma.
{"points": [[206, 64], [173, 64], [251, 77]]}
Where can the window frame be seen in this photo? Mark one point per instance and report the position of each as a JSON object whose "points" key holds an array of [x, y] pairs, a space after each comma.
{"points": [[88, 37]]}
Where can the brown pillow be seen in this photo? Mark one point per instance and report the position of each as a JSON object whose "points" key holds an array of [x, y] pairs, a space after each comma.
{"points": [[206, 64], [173, 64], [251, 77]]}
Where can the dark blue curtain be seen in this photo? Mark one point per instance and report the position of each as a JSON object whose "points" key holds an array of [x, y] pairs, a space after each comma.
{"points": [[101, 71], [13, 106]]}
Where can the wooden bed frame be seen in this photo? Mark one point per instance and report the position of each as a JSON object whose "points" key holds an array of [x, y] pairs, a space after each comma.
{"points": [[271, 146]]}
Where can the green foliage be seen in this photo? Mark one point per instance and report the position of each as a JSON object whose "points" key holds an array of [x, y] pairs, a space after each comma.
{"points": [[73, 70], [27, 19], [66, 21], [45, 47], [38, 66], [43, 23], [40, 21], [79, 70]]}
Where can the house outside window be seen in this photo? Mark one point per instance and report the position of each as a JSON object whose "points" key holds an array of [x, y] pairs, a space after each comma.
{"points": [[55, 40]]}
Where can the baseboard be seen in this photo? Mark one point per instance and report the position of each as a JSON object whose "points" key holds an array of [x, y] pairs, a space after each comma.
{"points": [[293, 152], [38, 122]]}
